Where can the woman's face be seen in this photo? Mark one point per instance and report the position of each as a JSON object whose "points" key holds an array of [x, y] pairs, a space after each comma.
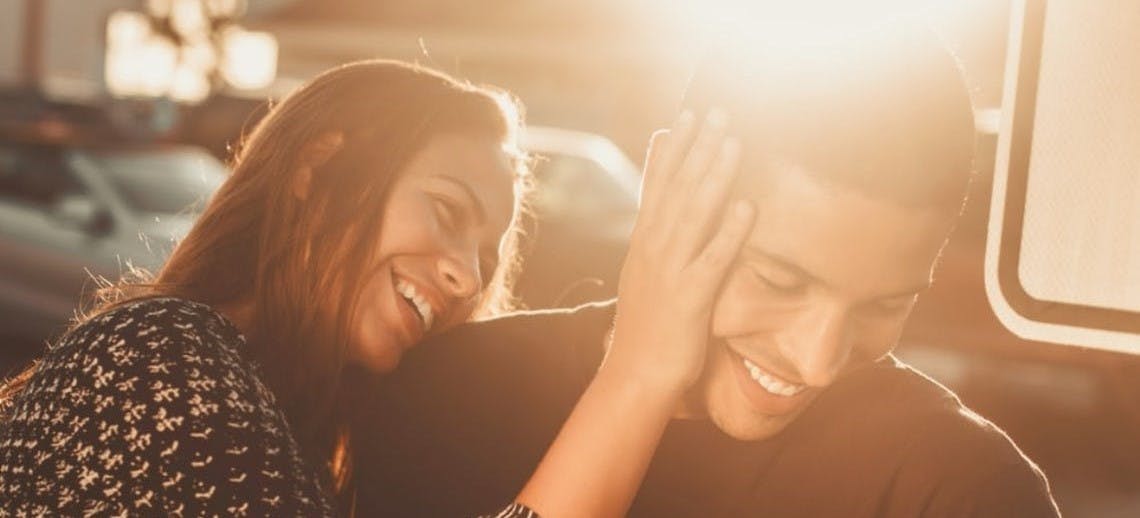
{"points": [[438, 246]]}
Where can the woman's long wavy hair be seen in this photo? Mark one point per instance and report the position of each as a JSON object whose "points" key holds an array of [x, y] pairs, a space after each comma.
{"points": [[257, 241]]}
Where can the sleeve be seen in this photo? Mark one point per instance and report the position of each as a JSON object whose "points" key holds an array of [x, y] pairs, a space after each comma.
{"points": [[146, 412], [515, 510]]}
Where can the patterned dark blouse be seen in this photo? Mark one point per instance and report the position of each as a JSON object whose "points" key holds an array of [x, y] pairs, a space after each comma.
{"points": [[149, 409]]}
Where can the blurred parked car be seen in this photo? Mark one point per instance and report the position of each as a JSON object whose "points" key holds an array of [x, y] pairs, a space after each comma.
{"points": [[72, 209], [585, 204]]}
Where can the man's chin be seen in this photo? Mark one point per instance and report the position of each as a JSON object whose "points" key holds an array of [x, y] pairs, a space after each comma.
{"points": [[721, 400], [748, 427]]}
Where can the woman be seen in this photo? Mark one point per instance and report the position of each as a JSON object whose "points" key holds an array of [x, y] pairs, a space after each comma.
{"points": [[367, 210]]}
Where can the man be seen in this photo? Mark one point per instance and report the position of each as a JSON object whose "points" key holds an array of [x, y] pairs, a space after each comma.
{"points": [[857, 162]]}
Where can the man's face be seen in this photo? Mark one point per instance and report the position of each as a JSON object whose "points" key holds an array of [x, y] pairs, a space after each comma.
{"points": [[824, 283]]}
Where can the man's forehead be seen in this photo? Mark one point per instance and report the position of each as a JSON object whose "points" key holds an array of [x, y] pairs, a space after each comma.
{"points": [[841, 236]]}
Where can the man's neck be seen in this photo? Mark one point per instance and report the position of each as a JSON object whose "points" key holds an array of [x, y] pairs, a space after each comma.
{"points": [[690, 407]]}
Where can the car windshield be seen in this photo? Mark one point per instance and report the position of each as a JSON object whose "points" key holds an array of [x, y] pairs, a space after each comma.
{"points": [[166, 181]]}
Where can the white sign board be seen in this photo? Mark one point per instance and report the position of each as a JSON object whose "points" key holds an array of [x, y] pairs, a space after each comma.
{"points": [[1063, 254]]}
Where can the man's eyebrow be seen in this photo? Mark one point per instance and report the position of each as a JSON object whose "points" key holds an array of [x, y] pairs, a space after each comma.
{"points": [[787, 264], [782, 262], [480, 212]]}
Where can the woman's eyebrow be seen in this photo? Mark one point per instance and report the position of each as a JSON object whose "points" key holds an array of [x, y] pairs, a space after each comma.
{"points": [[480, 212]]}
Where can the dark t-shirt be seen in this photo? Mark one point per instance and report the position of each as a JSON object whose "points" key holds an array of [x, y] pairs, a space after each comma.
{"points": [[463, 422]]}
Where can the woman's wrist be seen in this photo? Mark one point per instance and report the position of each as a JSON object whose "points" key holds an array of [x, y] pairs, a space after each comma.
{"points": [[624, 363], [640, 384], [598, 460]]}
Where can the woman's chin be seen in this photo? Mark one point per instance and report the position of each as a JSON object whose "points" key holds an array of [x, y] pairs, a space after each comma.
{"points": [[380, 359]]}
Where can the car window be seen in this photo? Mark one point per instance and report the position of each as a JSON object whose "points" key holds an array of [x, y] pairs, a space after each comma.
{"points": [[166, 181], [571, 188], [35, 175]]}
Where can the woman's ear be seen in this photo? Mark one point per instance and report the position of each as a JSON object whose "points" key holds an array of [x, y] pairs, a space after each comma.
{"points": [[313, 155]]}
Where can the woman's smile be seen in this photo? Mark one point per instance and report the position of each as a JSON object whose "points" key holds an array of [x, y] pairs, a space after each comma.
{"points": [[437, 247], [417, 311]]}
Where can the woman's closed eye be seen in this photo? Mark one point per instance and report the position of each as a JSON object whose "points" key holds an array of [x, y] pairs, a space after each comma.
{"points": [[449, 212]]}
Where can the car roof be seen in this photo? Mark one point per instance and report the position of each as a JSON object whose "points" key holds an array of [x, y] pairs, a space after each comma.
{"points": [[59, 134], [585, 145]]}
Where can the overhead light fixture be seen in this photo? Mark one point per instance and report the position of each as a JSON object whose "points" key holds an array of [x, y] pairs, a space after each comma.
{"points": [[250, 58], [185, 49]]}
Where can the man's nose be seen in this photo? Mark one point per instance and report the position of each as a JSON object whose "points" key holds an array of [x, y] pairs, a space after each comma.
{"points": [[817, 344], [459, 275]]}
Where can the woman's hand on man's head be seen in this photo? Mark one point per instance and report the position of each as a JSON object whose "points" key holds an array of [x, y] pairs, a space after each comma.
{"points": [[681, 249]]}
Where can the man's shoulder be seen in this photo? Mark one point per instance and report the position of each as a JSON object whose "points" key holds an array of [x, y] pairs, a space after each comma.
{"points": [[476, 407], [916, 416], [568, 340], [925, 449], [966, 464], [564, 324]]}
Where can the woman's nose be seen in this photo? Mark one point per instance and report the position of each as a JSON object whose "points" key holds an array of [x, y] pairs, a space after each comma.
{"points": [[460, 277]]}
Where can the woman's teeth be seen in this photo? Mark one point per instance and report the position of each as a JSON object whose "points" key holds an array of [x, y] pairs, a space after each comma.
{"points": [[770, 383], [423, 308]]}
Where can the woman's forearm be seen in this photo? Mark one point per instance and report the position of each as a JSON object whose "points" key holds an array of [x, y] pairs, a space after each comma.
{"points": [[681, 250], [596, 464]]}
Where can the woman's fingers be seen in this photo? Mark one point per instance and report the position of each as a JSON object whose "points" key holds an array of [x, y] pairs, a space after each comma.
{"points": [[650, 181], [705, 204], [693, 171], [673, 269], [666, 155], [711, 266], [677, 157], [681, 136], [703, 152]]}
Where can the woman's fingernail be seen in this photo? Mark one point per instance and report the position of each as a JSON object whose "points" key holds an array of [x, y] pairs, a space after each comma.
{"points": [[716, 118]]}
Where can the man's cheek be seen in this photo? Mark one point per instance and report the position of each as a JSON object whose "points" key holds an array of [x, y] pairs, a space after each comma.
{"points": [[743, 309], [877, 338]]}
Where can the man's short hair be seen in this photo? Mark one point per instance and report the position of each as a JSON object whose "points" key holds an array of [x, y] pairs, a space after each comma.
{"points": [[886, 110]]}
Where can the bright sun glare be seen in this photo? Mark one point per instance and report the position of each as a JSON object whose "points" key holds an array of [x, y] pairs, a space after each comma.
{"points": [[804, 23], [807, 31]]}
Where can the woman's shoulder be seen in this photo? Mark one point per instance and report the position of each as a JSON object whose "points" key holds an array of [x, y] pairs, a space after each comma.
{"points": [[173, 315], [153, 341], [148, 327], [155, 412]]}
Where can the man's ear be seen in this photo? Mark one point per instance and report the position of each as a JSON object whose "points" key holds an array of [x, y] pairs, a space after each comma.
{"points": [[313, 155]]}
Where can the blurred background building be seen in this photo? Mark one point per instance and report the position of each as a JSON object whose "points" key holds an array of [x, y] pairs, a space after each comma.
{"points": [[618, 68]]}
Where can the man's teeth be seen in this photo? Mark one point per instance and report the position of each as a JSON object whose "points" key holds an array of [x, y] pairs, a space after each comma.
{"points": [[770, 383], [408, 291]]}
